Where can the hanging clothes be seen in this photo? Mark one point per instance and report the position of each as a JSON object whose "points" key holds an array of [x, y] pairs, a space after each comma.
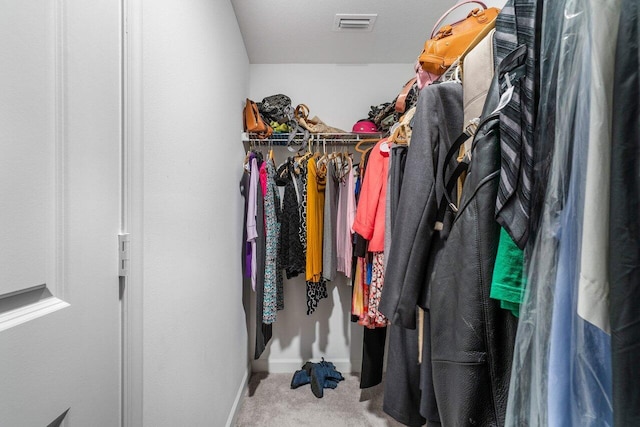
{"points": [[438, 120], [264, 331], [251, 226], [562, 364], [330, 217], [370, 224], [370, 214], [291, 253], [316, 284], [345, 217], [593, 293], [397, 161], [273, 279], [246, 245], [515, 26], [624, 230], [301, 178], [471, 336], [360, 292]]}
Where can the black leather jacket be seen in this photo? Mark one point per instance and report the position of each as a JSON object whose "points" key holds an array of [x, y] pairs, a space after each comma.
{"points": [[471, 336]]}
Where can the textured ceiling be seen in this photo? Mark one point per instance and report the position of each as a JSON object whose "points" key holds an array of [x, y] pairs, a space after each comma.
{"points": [[298, 31]]}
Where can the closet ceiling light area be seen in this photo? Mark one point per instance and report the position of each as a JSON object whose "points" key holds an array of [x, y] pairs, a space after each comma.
{"points": [[295, 32]]}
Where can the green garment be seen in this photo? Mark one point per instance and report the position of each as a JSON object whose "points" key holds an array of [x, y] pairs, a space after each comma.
{"points": [[508, 280]]}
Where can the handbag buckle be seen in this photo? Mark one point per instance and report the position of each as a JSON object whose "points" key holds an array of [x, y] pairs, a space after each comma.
{"points": [[476, 12], [472, 127], [445, 31]]}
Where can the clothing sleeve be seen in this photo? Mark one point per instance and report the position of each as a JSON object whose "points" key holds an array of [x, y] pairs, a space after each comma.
{"points": [[438, 120]]}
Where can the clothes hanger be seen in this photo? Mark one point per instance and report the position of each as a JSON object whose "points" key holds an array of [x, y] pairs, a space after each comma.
{"points": [[345, 166], [271, 158], [452, 74], [358, 146], [400, 136], [324, 159], [245, 164]]}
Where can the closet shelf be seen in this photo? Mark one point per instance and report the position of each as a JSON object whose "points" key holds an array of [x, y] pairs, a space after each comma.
{"points": [[322, 138]]}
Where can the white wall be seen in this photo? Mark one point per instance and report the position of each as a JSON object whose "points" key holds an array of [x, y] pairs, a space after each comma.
{"points": [[337, 93], [340, 95], [195, 80]]}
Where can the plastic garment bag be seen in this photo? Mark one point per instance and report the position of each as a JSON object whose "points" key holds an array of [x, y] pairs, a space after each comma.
{"points": [[562, 365]]}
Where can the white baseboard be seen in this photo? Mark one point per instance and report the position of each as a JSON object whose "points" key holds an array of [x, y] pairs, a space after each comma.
{"points": [[233, 414], [292, 365]]}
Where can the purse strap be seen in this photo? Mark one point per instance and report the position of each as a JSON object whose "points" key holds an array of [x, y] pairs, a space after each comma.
{"points": [[450, 183], [301, 112], [401, 100], [444, 16]]}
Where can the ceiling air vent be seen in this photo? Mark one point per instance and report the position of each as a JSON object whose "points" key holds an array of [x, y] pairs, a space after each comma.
{"points": [[354, 21]]}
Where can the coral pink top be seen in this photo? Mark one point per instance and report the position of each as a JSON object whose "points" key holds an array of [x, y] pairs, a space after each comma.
{"points": [[370, 214]]}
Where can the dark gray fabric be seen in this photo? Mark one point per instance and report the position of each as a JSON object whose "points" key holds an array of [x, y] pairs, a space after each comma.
{"points": [[396, 172], [515, 26], [402, 383], [438, 122], [263, 331], [291, 252], [471, 336], [625, 221], [428, 404], [329, 252]]}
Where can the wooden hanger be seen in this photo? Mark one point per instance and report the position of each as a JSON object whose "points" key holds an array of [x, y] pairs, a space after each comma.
{"points": [[365, 141]]}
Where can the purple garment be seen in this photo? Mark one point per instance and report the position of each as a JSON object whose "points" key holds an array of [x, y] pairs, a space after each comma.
{"points": [[248, 247]]}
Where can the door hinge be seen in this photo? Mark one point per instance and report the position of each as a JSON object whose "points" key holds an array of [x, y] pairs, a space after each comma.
{"points": [[123, 254]]}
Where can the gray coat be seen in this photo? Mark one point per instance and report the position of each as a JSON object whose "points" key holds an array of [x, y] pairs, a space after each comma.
{"points": [[437, 123]]}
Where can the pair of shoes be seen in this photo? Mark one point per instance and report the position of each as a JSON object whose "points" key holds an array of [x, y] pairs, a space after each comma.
{"points": [[324, 375], [320, 375], [303, 376]]}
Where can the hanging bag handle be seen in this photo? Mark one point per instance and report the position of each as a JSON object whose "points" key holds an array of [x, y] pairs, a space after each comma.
{"points": [[444, 16], [401, 100], [449, 183]]}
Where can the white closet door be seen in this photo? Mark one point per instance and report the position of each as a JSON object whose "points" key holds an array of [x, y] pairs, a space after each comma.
{"points": [[59, 212]]}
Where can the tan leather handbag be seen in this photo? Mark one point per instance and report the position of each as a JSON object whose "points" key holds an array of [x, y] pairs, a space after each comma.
{"points": [[447, 44], [253, 122]]}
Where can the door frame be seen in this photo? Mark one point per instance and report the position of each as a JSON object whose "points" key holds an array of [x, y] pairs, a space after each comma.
{"points": [[132, 210]]}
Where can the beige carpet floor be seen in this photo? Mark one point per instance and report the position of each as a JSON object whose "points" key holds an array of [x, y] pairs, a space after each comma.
{"points": [[270, 402]]}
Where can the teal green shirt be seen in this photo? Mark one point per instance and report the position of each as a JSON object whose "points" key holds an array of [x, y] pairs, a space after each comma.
{"points": [[508, 280]]}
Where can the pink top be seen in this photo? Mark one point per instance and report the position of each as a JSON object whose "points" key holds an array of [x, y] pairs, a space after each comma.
{"points": [[370, 215], [344, 221]]}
